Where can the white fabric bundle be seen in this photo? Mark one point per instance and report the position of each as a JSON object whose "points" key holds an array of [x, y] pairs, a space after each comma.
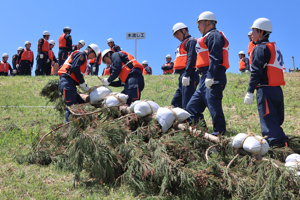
{"points": [[115, 99], [292, 162], [144, 108], [98, 94], [251, 144], [165, 118]]}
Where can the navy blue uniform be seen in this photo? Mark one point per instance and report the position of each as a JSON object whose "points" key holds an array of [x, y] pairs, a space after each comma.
{"points": [[67, 85], [25, 65], [211, 98], [246, 60], [270, 102], [116, 48], [148, 69], [5, 73], [74, 48], [96, 65], [183, 94], [47, 71], [134, 83], [41, 63], [64, 51], [167, 67]]}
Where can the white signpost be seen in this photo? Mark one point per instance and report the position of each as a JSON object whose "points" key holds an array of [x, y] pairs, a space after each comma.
{"points": [[135, 36]]}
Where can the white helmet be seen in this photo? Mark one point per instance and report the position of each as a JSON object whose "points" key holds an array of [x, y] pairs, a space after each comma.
{"points": [[46, 33], [67, 29], [95, 48], [250, 33], [178, 26], [82, 42], [20, 49], [52, 42], [145, 62], [27, 42], [110, 40], [207, 15], [168, 56], [106, 51], [4, 55], [263, 24], [241, 52]]}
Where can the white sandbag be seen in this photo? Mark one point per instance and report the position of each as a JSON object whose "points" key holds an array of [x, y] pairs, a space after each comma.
{"points": [[98, 94], [251, 145], [115, 99], [165, 118], [181, 114], [132, 105], [264, 146], [293, 158], [238, 139], [144, 108], [291, 165]]}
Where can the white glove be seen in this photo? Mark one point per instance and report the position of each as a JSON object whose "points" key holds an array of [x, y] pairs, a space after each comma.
{"points": [[185, 81], [105, 82], [94, 69], [248, 98], [14, 71], [209, 82], [41, 56], [84, 87], [48, 60], [17, 66]]}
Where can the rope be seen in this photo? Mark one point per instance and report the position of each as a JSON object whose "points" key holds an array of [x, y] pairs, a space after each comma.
{"points": [[206, 153], [114, 95], [232, 160]]}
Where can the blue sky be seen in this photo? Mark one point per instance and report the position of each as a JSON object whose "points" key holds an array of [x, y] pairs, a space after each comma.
{"points": [[96, 21]]}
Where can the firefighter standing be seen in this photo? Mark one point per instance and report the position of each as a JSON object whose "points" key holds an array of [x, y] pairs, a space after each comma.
{"points": [[168, 67], [52, 62], [5, 66], [42, 55], [15, 59], [244, 63], [112, 46], [147, 69], [26, 61], [80, 44], [64, 45]]}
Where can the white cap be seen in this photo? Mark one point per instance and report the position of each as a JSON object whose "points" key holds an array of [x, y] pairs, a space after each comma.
{"points": [[178, 26], [4, 55], [67, 29], [168, 56], [95, 48], [110, 40], [262, 24], [27, 42], [250, 33], [46, 33], [241, 52], [106, 51], [20, 49], [207, 15], [145, 62], [82, 42], [52, 42]]}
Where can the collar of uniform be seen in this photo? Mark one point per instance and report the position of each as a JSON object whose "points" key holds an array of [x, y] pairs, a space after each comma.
{"points": [[186, 38], [208, 32], [263, 41]]}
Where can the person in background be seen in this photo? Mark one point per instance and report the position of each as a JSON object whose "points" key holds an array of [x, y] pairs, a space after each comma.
{"points": [[72, 74], [52, 62], [147, 69], [106, 71], [168, 67], [251, 46], [64, 45], [15, 59], [80, 44], [42, 55], [212, 63], [244, 63], [26, 61], [129, 71], [184, 65], [112, 46], [266, 78], [5, 66], [95, 66]]}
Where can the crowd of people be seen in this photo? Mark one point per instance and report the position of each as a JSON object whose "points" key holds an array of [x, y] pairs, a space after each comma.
{"points": [[202, 62]]}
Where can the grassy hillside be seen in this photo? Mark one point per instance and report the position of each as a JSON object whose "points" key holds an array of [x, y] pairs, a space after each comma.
{"points": [[19, 125]]}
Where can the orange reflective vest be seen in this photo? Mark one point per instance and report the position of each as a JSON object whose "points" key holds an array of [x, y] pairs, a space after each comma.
{"points": [[45, 46], [27, 55], [50, 54], [181, 56], [106, 72], [203, 54], [145, 72], [250, 51], [168, 71], [92, 61], [126, 70], [67, 64], [242, 64], [275, 66], [62, 42], [4, 67], [113, 48]]}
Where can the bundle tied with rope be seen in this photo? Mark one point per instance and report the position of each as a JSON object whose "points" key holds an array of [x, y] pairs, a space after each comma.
{"points": [[144, 108], [115, 99]]}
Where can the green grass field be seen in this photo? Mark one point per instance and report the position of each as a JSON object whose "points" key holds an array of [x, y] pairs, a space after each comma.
{"points": [[19, 125]]}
